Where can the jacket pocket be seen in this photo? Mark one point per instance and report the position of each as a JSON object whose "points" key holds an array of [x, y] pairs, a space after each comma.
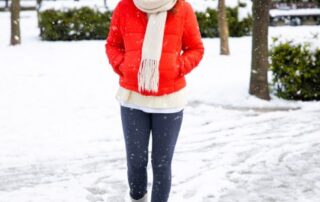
{"points": [[121, 68], [180, 65]]}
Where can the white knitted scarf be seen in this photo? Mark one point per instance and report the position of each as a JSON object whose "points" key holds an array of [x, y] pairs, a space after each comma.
{"points": [[148, 76]]}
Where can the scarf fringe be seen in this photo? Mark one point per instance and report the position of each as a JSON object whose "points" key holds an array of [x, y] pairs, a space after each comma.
{"points": [[148, 76]]}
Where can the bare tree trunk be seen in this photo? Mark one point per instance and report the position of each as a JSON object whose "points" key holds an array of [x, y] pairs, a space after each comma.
{"points": [[39, 3], [223, 28], [259, 63], [7, 4], [15, 22]]}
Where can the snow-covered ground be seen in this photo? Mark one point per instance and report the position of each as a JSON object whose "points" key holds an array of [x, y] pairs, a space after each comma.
{"points": [[61, 137]]}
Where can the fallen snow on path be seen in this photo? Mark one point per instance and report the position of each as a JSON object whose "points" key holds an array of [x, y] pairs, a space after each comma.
{"points": [[61, 137]]}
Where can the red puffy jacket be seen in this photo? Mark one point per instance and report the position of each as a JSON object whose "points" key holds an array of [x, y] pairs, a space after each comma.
{"points": [[182, 47]]}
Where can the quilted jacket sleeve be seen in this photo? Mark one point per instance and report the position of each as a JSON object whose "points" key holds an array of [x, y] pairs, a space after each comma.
{"points": [[192, 45], [114, 45]]}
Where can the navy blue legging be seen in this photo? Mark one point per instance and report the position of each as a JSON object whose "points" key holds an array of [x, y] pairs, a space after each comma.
{"points": [[164, 128]]}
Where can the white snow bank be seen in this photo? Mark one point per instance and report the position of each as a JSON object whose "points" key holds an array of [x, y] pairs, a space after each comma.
{"points": [[295, 12], [64, 4], [298, 35], [30, 3]]}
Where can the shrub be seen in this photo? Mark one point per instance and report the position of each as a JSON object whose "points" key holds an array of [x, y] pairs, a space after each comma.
{"points": [[73, 24], [208, 23], [87, 23], [296, 71], [238, 28]]}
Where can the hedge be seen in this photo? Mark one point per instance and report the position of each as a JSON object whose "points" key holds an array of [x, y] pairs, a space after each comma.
{"points": [[296, 71], [208, 23], [87, 23], [74, 24]]}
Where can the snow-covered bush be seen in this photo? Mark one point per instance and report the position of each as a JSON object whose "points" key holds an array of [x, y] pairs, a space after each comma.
{"points": [[73, 24], [296, 71], [208, 23]]}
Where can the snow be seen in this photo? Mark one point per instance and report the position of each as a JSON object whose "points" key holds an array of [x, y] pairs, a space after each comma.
{"points": [[300, 35], [61, 138], [65, 4], [295, 12], [24, 3]]}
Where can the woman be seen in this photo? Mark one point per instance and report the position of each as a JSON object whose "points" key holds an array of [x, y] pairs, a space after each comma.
{"points": [[152, 45]]}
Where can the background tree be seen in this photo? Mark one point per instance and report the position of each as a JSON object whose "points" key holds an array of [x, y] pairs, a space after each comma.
{"points": [[223, 28], [39, 3], [15, 22], [259, 63], [6, 4]]}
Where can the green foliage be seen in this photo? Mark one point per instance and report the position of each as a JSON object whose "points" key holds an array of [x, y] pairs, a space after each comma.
{"points": [[296, 71], [238, 28], [208, 23], [87, 23], [73, 24]]}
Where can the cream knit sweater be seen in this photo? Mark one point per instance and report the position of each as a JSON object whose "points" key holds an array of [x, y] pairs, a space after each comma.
{"points": [[169, 103]]}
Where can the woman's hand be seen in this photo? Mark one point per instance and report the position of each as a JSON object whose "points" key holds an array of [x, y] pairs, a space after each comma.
{"points": [[192, 45]]}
